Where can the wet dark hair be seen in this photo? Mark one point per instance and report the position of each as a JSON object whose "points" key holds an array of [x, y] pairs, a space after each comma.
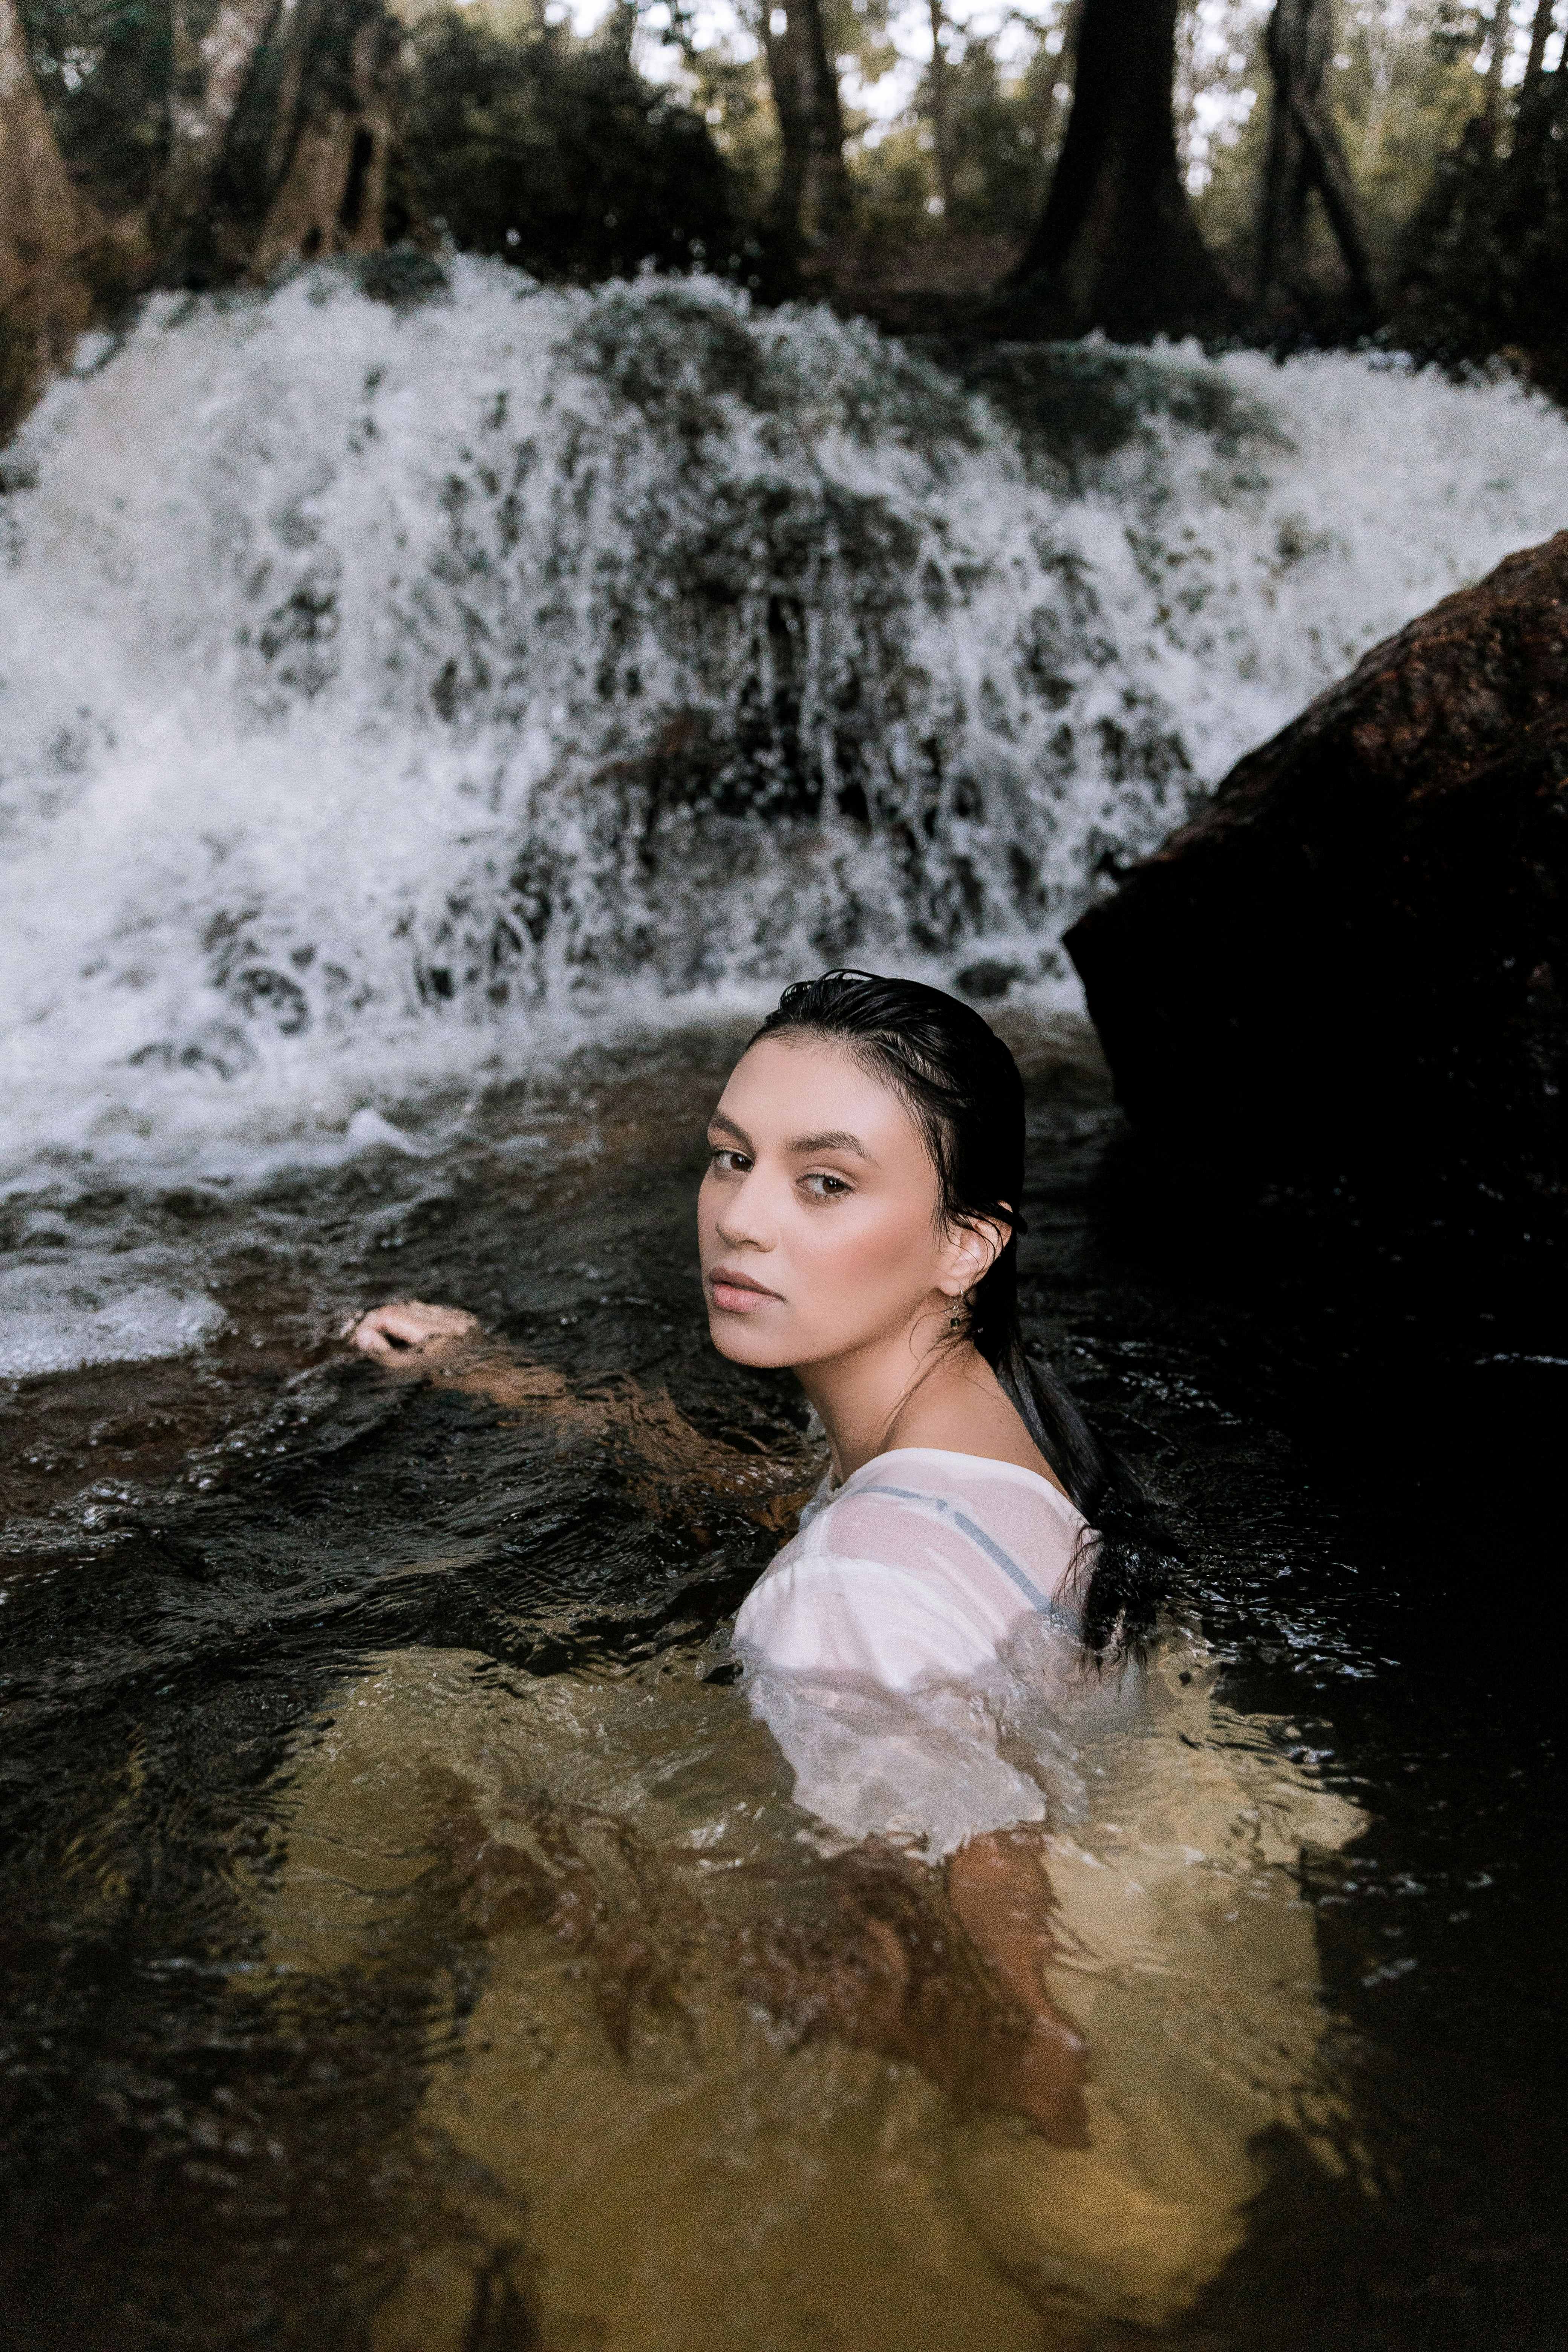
{"points": [[962, 1087]]}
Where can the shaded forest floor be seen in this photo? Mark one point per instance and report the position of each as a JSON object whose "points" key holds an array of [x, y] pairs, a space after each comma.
{"points": [[961, 289], [958, 290], [929, 285]]}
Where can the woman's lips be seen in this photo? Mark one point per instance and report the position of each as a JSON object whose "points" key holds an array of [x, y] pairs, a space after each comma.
{"points": [[737, 1294]]}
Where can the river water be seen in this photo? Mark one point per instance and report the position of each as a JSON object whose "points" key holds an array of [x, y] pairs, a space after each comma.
{"points": [[409, 1940]]}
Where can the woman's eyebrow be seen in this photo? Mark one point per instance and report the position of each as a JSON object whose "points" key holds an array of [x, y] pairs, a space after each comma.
{"points": [[836, 1139], [722, 1118]]}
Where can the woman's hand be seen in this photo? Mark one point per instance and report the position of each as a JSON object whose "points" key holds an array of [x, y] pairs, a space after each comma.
{"points": [[407, 1326], [446, 1346]]}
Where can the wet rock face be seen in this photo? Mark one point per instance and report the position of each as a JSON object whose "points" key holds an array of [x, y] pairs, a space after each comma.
{"points": [[1356, 958]]}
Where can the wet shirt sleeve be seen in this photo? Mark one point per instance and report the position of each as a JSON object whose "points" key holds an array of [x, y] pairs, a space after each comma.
{"points": [[875, 1647], [873, 1621]]}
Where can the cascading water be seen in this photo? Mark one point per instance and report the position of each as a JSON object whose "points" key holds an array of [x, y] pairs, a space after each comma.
{"points": [[387, 684], [411, 1938], [381, 682]]}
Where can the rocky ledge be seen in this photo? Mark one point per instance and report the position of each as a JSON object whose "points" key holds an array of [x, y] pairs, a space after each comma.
{"points": [[1355, 960]]}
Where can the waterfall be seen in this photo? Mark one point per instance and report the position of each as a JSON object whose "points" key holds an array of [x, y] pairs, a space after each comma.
{"points": [[394, 673]]}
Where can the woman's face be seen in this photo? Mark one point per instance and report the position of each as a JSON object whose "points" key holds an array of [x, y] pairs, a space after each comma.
{"points": [[817, 1218]]}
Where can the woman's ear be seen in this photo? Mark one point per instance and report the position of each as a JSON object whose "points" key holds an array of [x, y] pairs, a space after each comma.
{"points": [[973, 1251]]}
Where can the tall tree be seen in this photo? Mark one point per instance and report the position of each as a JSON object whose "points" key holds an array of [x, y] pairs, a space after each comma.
{"points": [[1497, 39], [941, 109], [1540, 34], [277, 138], [212, 65], [50, 237], [813, 201], [1304, 155], [1117, 245], [1485, 259], [282, 118], [332, 136]]}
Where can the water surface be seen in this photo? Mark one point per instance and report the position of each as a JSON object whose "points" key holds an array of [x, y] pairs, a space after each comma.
{"points": [[409, 1940]]}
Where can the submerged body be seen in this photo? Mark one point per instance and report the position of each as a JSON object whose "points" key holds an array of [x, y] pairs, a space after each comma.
{"points": [[924, 1651], [695, 2059], [882, 1629]]}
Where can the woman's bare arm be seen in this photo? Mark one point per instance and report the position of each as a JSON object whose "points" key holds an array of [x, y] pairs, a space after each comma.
{"points": [[447, 1345], [998, 1886]]}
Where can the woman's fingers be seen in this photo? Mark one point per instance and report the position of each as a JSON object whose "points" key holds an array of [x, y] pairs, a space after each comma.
{"points": [[409, 1325]]}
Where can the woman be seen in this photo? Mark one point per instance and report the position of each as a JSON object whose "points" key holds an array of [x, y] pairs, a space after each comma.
{"points": [[858, 1224], [936, 1653]]}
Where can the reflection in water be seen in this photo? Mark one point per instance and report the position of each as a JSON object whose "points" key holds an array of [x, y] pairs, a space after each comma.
{"points": [[407, 1938], [661, 2114]]}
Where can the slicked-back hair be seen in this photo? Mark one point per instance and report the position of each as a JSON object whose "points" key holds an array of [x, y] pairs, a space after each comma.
{"points": [[960, 1086]]}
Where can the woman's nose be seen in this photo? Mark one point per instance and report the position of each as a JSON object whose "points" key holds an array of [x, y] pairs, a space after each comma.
{"points": [[743, 1220]]}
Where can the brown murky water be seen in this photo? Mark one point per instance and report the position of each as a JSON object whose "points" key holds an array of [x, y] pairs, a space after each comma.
{"points": [[409, 1939]]}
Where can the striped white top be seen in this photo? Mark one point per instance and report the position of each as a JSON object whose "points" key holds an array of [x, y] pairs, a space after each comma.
{"points": [[885, 1643], [919, 1569]]}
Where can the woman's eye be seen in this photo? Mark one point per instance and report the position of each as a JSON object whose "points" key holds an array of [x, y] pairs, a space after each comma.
{"points": [[730, 1163], [823, 1187]]}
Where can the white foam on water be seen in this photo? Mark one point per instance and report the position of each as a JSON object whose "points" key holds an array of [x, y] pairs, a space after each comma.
{"points": [[387, 696], [96, 1310]]}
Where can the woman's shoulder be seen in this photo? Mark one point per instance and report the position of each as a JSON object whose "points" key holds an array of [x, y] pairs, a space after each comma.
{"points": [[953, 1549], [968, 1490], [917, 1473]]}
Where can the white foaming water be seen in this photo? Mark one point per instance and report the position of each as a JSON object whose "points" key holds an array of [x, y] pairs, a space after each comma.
{"points": [[94, 1309], [382, 690]]}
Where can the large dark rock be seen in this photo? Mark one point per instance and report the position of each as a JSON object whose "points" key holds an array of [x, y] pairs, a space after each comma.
{"points": [[1356, 959]]}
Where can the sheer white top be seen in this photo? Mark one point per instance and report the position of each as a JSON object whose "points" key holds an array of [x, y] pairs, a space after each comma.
{"points": [[919, 1568], [885, 1643]]}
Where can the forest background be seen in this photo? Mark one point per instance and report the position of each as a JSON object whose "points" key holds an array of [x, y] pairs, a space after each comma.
{"points": [[1286, 172]]}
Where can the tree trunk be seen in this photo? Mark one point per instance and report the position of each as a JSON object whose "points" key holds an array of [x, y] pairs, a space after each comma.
{"points": [[1540, 34], [1492, 97], [331, 189], [1117, 245], [209, 78], [813, 199], [312, 178], [51, 240], [1304, 154], [941, 109], [1058, 110]]}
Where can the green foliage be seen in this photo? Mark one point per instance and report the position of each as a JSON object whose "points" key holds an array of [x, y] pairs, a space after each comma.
{"points": [[999, 138], [1401, 105], [1402, 87], [1229, 181], [860, 29], [103, 69], [520, 141], [1468, 233], [733, 95], [1487, 255], [894, 186], [986, 175], [559, 157]]}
